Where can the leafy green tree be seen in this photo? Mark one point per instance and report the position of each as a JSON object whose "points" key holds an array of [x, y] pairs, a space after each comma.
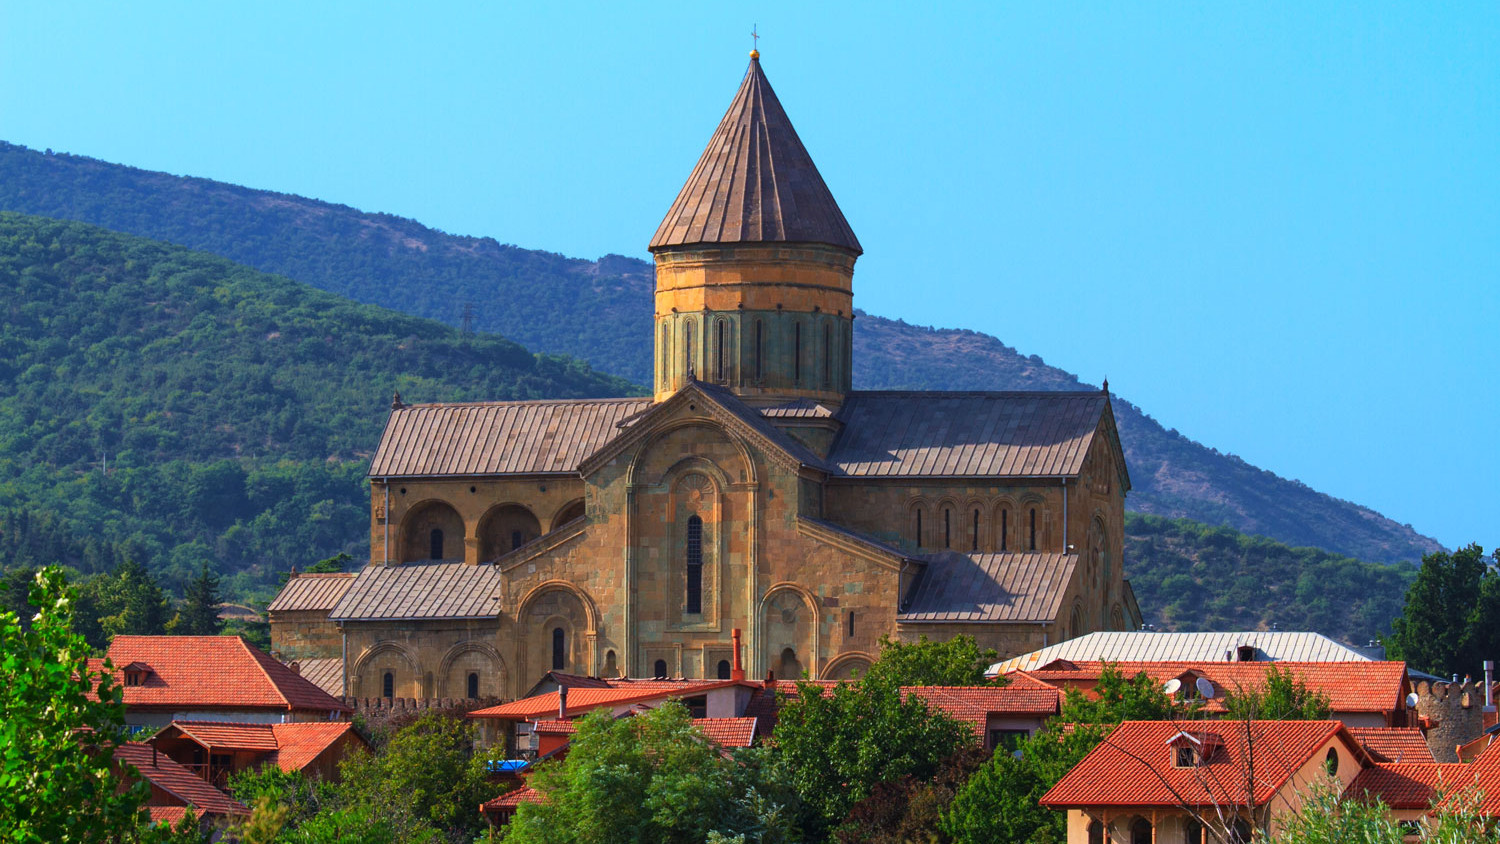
{"points": [[199, 612], [1326, 817], [956, 662], [1284, 697], [652, 777], [57, 783], [125, 601], [1440, 629], [1119, 698]]}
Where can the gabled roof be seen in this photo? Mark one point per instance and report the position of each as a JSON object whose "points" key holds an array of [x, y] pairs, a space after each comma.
{"points": [[214, 672], [498, 438], [177, 781], [327, 673], [1408, 785], [966, 434], [418, 591], [290, 746], [1008, 587], [1404, 745], [508, 801], [1367, 687], [755, 182], [1137, 646], [1134, 765], [975, 704], [311, 591]]}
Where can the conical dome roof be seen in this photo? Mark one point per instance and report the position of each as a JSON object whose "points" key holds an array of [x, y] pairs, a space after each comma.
{"points": [[755, 183]]}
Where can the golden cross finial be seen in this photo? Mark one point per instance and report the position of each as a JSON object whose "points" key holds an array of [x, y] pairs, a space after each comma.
{"points": [[755, 41]]}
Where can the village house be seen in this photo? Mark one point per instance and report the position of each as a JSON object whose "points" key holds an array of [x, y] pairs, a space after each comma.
{"points": [[215, 750], [175, 790]]}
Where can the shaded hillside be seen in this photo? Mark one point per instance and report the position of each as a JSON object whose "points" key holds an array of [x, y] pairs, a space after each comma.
{"points": [[1191, 576], [600, 311], [199, 410]]}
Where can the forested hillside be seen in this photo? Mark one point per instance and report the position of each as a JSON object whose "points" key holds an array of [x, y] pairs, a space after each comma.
{"points": [[600, 312], [179, 408]]}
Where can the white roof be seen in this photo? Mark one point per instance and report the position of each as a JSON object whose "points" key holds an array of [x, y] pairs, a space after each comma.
{"points": [[1137, 646]]}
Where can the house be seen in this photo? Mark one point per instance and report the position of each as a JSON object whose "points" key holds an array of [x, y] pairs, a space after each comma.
{"points": [[211, 678], [216, 749], [1143, 646], [1360, 694], [1164, 782], [999, 716], [174, 789]]}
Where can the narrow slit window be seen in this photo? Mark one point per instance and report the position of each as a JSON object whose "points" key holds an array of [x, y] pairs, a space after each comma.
{"points": [[797, 353], [436, 540], [851, 623], [559, 649], [388, 685], [919, 528], [947, 528], [694, 566], [473, 685], [666, 352], [1004, 530], [827, 355], [976, 531], [1033, 528], [719, 371], [687, 348], [517, 539], [760, 336]]}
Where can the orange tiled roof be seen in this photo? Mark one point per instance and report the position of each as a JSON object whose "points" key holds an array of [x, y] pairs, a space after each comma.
{"points": [[177, 781], [219, 735], [1394, 744], [1116, 773], [583, 699], [169, 815], [974, 704], [1408, 786], [511, 799], [214, 672], [1350, 686], [727, 732], [298, 744], [291, 746]]}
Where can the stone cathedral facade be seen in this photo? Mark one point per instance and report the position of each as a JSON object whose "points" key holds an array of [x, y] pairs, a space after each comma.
{"points": [[754, 490]]}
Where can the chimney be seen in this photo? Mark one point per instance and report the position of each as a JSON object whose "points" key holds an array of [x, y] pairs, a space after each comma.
{"points": [[562, 703], [737, 670], [1489, 718], [770, 679]]}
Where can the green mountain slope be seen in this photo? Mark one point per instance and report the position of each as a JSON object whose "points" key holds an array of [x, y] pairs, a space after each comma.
{"points": [[600, 312], [200, 410]]}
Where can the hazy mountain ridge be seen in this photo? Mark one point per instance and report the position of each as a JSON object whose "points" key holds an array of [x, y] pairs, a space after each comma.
{"points": [[600, 311]]}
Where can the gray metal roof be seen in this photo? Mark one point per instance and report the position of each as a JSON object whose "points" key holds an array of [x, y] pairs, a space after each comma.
{"points": [[312, 591], [413, 591], [498, 438], [1144, 646], [918, 434], [1012, 587]]}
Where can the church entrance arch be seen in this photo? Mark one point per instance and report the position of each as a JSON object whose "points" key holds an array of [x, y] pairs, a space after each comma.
{"points": [[504, 528], [788, 632], [432, 530]]}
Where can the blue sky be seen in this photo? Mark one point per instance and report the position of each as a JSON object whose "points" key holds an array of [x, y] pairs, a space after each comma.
{"points": [[1276, 227]]}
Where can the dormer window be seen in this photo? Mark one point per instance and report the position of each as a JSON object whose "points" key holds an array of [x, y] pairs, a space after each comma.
{"points": [[136, 673], [1244, 653], [1189, 750]]}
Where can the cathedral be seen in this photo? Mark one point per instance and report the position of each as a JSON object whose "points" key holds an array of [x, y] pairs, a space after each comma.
{"points": [[753, 498]]}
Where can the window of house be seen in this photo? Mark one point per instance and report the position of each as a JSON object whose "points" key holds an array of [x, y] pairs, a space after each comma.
{"points": [[1331, 762], [919, 528], [660, 669], [1033, 528], [694, 603], [1007, 740], [1185, 756], [1239, 832], [436, 539], [473, 684], [1244, 653], [697, 706], [1096, 832], [666, 351], [517, 539], [388, 685], [559, 649], [976, 531], [1192, 831], [723, 669], [1140, 832]]}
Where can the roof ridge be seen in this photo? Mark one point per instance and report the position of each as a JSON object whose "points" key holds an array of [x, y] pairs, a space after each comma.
{"points": [[513, 402], [255, 654], [976, 393]]}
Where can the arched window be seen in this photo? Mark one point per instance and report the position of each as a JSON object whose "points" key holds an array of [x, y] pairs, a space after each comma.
{"points": [[1004, 530], [559, 649], [1192, 831], [1140, 831], [611, 667], [723, 669], [436, 539], [1033, 528], [1096, 833], [666, 352], [719, 351], [694, 603], [474, 685], [660, 668], [1239, 832], [687, 346], [797, 353], [760, 337], [976, 531], [947, 527], [388, 685], [827, 354]]}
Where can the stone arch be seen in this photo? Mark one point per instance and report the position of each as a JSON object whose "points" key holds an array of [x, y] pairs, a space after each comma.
{"points": [[976, 526], [638, 473], [1003, 525], [557, 604], [1117, 618], [789, 620], [505, 527], [1100, 524], [1076, 620], [568, 512], [473, 656], [948, 524], [426, 526], [846, 665], [918, 522], [539, 591], [371, 665]]}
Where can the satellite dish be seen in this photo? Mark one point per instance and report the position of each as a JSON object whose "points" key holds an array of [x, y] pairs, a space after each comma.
{"points": [[1411, 701], [1171, 686], [1205, 688]]}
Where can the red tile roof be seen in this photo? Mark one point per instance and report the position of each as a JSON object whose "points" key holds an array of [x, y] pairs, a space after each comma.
{"points": [[1116, 773], [214, 672], [291, 746], [1350, 686], [297, 745], [727, 732], [169, 815], [1394, 744], [511, 799], [1408, 786], [974, 704], [581, 700], [177, 781]]}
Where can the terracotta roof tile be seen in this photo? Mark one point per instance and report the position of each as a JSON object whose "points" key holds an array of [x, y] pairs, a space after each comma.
{"points": [[974, 704], [299, 744], [1116, 773], [221, 735], [1394, 744], [1409, 785], [177, 781], [755, 182], [727, 732], [291, 746], [583, 699], [214, 672], [315, 591]]}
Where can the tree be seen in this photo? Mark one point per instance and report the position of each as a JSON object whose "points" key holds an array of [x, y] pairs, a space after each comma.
{"points": [[1440, 629], [125, 601], [1284, 697], [956, 662], [59, 725], [1326, 817], [199, 613], [652, 777]]}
